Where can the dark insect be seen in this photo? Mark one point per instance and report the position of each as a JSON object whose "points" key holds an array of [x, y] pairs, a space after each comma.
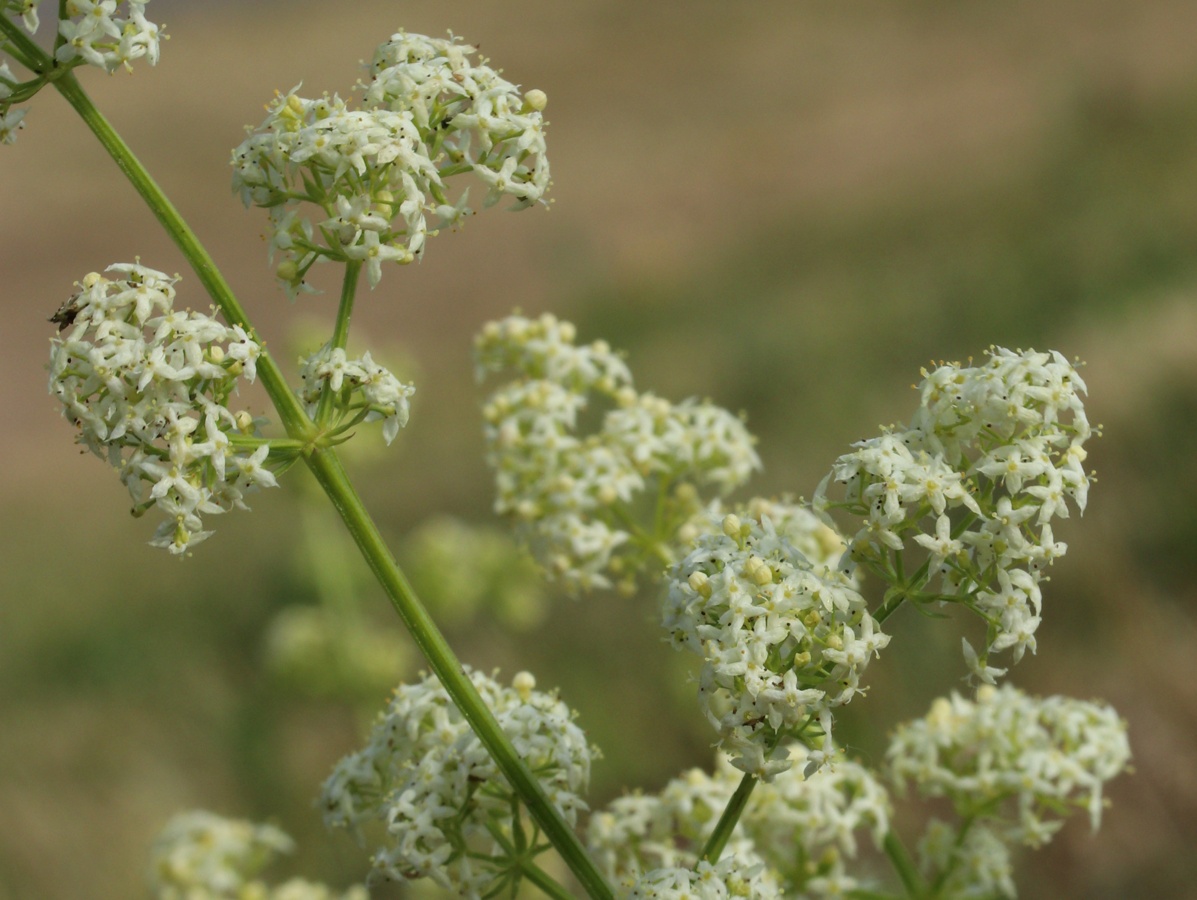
{"points": [[65, 317]]}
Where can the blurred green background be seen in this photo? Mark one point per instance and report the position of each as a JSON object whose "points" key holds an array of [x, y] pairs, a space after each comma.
{"points": [[787, 207]]}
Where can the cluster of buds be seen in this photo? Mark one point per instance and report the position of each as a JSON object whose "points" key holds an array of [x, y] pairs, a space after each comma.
{"points": [[449, 814], [203, 855], [378, 173], [574, 497], [148, 387], [991, 456]]}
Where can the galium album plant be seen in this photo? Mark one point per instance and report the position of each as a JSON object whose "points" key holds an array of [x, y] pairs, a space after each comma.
{"points": [[475, 781]]}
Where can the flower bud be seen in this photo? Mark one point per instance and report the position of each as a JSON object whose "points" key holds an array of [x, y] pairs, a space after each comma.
{"points": [[524, 683], [536, 100], [287, 271], [757, 571]]}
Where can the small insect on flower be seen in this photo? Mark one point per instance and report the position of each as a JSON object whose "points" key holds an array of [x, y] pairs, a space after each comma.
{"points": [[64, 318]]}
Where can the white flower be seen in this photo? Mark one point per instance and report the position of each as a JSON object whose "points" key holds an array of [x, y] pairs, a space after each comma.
{"points": [[981, 671], [27, 10], [10, 123], [370, 249], [10, 119]]}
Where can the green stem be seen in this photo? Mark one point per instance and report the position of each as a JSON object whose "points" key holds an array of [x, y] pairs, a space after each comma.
{"points": [[18, 45], [245, 442], [544, 880], [727, 822], [904, 866], [353, 268], [961, 834], [59, 40], [296, 422], [890, 606], [649, 543], [327, 468]]}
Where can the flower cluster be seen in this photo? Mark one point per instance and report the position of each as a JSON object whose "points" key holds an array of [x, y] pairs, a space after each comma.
{"points": [[96, 33], [796, 830], [203, 856], [732, 876], [991, 456], [379, 172], [448, 812], [364, 390], [1013, 760], [148, 388], [575, 497], [783, 640]]}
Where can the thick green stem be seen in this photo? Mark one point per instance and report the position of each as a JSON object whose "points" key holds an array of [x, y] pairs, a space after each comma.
{"points": [[727, 822], [328, 471], [904, 866]]}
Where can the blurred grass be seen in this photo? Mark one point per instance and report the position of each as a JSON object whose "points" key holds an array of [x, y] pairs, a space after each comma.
{"points": [[132, 686]]}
